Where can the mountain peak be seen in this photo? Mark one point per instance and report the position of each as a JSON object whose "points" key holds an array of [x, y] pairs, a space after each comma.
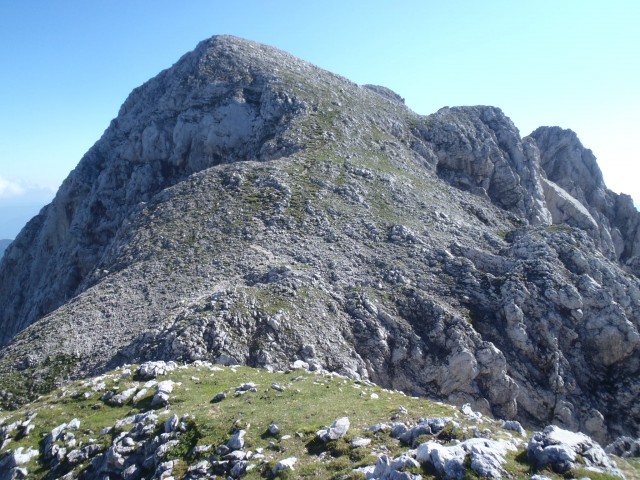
{"points": [[248, 207]]}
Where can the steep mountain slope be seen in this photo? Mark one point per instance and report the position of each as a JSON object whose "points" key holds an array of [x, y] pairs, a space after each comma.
{"points": [[3, 246], [248, 207]]}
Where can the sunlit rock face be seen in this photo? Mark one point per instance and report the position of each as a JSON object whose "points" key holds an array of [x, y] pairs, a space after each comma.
{"points": [[248, 207]]}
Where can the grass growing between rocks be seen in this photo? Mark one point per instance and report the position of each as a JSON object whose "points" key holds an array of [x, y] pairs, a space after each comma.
{"points": [[308, 403], [300, 404]]}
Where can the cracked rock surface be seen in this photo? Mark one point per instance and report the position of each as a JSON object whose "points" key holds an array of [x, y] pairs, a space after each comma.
{"points": [[246, 207]]}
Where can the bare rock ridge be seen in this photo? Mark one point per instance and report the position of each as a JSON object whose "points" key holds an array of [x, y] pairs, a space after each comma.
{"points": [[163, 133], [248, 207], [610, 218]]}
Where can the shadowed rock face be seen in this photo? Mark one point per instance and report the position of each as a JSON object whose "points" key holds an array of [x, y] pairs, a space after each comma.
{"points": [[214, 106], [248, 207], [3, 246]]}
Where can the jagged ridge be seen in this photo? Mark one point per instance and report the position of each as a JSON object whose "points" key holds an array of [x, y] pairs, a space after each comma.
{"points": [[248, 207]]}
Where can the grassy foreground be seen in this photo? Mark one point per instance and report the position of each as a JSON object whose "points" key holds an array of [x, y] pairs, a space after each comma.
{"points": [[306, 403]]}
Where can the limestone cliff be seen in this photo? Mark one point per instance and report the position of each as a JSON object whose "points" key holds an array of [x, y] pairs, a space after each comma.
{"points": [[248, 207]]}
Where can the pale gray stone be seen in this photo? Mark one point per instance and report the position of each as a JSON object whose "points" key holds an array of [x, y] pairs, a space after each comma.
{"points": [[171, 423], [190, 193], [273, 429], [338, 429], [284, 464], [237, 440]]}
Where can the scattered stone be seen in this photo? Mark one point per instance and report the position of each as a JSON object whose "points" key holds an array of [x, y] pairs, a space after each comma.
{"points": [[138, 396], [559, 449], [121, 398], [625, 447], [357, 442], [201, 449], [486, 457], [273, 429], [74, 424], [199, 469], [21, 456], [468, 411], [76, 456], [53, 436], [448, 461], [222, 450], [163, 390], [300, 364], [246, 387], [391, 469], [278, 387], [235, 455], [238, 469], [237, 441], [514, 426], [15, 473], [150, 370], [379, 427], [285, 464], [219, 397], [338, 429], [171, 423]]}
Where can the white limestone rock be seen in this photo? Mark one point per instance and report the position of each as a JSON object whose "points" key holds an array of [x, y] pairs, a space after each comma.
{"points": [[338, 429]]}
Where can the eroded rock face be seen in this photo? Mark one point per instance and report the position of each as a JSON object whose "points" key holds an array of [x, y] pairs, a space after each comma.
{"points": [[572, 167], [215, 105], [480, 150], [246, 207]]}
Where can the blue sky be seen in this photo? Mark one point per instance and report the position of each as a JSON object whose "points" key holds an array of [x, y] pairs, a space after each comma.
{"points": [[67, 66]]}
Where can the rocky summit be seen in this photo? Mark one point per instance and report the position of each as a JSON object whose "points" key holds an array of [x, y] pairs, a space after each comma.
{"points": [[246, 207]]}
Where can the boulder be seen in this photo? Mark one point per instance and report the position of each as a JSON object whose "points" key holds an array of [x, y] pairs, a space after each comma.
{"points": [[285, 464], [237, 440], [273, 429], [391, 469], [448, 461], [338, 429], [561, 449], [625, 447], [123, 397], [485, 456], [149, 370], [163, 391], [171, 423]]}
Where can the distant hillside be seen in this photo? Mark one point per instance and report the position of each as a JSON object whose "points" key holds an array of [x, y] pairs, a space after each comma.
{"points": [[3, 245]]}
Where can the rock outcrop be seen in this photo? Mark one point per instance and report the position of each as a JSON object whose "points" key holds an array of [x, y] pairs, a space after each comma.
{"points": [[611, 218], [246, 207]]}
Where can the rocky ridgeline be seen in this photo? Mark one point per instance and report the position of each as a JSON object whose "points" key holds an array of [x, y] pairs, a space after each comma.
{"points": [[246, 207], [159, 443]]}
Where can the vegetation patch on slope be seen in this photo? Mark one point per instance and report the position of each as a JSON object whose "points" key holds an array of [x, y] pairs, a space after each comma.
{"points": [[201, 420]]}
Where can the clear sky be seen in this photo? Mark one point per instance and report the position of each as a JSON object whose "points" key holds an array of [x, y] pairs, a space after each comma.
{"points": [[67, 66]]}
